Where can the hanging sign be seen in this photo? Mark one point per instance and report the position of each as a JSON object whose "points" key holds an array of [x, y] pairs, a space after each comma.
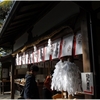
{"points": [[31, 56], [26, 57], [41, 54], [20, 59], [17, 59], [56, 48], [78, 44], [49, 48], [46, 53], [35, 55], [87, 83], [23, 58], [67, 45]]}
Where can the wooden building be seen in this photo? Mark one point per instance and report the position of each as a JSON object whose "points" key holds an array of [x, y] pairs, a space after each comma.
{"points": [[32, 23]]}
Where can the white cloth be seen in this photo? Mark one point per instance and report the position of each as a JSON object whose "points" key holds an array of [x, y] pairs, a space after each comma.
{"points": [[49, 48], [66, 77]]}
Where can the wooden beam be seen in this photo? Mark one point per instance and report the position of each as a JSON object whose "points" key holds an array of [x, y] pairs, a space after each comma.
{"points": [[21, 16], [18, 26], [15, 22]]}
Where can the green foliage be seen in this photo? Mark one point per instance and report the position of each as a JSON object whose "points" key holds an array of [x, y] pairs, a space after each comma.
{"points": [[5, 5], [4, 8]]}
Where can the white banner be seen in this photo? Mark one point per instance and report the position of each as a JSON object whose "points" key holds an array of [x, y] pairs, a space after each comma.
{"points": [[31, 56], [56, 48], [67, 45], [23, 58], [41, 54], [17, 59], [35, 56], [78, 44], [47, 56], [26, 57], [87, 83], [20, 59]]}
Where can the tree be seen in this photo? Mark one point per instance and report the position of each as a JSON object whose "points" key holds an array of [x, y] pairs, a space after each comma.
{"points": [[4, 8]]}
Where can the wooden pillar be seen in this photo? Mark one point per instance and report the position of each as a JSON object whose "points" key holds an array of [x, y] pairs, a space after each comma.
{"points": [[85, 46], [12, 77], [92, 24]]}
